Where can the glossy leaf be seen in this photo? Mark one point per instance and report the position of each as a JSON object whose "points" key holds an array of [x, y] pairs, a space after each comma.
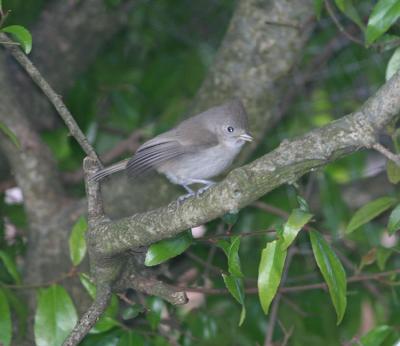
{"points": [[394, 220], [5, 320], [332, 271], [393, 65], [10, 134], [270, 272], [55, 316], [168, 248], [297, 219], [382, 255], [347, 7], [318, 5], [369, 211], [383, 15], [376, 336], [20, 308], [107, 321], [11, 267], [130, 339], [77, 243], [233, 258], [22, 35], [393, 172], [230, 218], [236, 289]]}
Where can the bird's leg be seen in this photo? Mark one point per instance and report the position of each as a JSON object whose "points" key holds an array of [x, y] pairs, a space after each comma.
{"points": [[189, 194], [207, 183]]}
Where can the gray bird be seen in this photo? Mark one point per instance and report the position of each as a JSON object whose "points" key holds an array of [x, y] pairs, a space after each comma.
{"points": [[196, 150]]}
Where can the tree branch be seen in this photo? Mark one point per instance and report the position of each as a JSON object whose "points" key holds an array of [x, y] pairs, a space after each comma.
{"points": [[90, 318], [55, 99], [287, 163]]}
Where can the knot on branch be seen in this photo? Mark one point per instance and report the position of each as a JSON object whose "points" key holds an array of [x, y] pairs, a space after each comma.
{"points": [[363, 131]]}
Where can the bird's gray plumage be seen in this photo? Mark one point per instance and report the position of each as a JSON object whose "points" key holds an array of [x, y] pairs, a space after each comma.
{"points": [[198, 148]]}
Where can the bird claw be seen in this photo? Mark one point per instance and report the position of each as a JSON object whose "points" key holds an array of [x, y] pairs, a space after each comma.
{"points": [[183, 198], [203, 189]]}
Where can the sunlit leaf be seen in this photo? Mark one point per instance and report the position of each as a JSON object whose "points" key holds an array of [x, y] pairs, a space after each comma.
{"points": [[55, 316], [236, 288], [394, 220], [22, 35], [270, 272], [332, 271], [11, 266], [369, 211], [233, 258], [297, 219], [168, 248], [77, 243], [10, 134], [383, 15], [376, 336], [393, 65], [382, 255], [5, 320], [393, 172]]}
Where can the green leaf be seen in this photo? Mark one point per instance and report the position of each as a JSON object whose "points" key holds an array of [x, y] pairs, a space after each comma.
{"points": [[230, 218], [318, 5], [303, 204], [369, 211], [132, 311], [297, 219], [130, 339], [168, 248], [393, 65], [20, 308], [22, 35], [55, 316], [10, 266], [236, 289], [394, 220], [10, 134], [393, 172], [376, 336], [107, 321], [224, 245], [347, 7], [332, 271], [77, 243], [382, 255], [233, 258], [383, 15], [270, 272], [5, 320]]}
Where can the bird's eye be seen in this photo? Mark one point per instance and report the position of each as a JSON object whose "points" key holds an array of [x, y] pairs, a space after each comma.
{"points": [[230, 129]]}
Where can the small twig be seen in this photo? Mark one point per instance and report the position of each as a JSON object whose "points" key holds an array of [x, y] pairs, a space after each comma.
{"points": [[332, 14], [91, 316], [55, 99], [387, 153]]}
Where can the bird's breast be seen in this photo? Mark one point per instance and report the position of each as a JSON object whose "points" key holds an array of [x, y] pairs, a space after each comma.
{"points": [[203, 164]]}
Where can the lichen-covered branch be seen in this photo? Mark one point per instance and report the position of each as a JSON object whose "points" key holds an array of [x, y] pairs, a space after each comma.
{"points": [[286, 164]]}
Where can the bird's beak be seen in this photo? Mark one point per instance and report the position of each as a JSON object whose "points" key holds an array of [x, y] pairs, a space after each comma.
{"points": [[246, 137]]}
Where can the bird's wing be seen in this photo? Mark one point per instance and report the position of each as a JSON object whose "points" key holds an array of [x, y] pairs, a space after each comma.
{"points": [[167, 146]]}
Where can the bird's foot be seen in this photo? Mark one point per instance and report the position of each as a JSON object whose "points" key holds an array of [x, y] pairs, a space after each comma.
{"points": [[183, 198], [204, 189]]}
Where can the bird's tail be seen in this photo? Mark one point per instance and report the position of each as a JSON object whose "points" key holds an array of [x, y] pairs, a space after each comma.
{"points": [[105, 172]]}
